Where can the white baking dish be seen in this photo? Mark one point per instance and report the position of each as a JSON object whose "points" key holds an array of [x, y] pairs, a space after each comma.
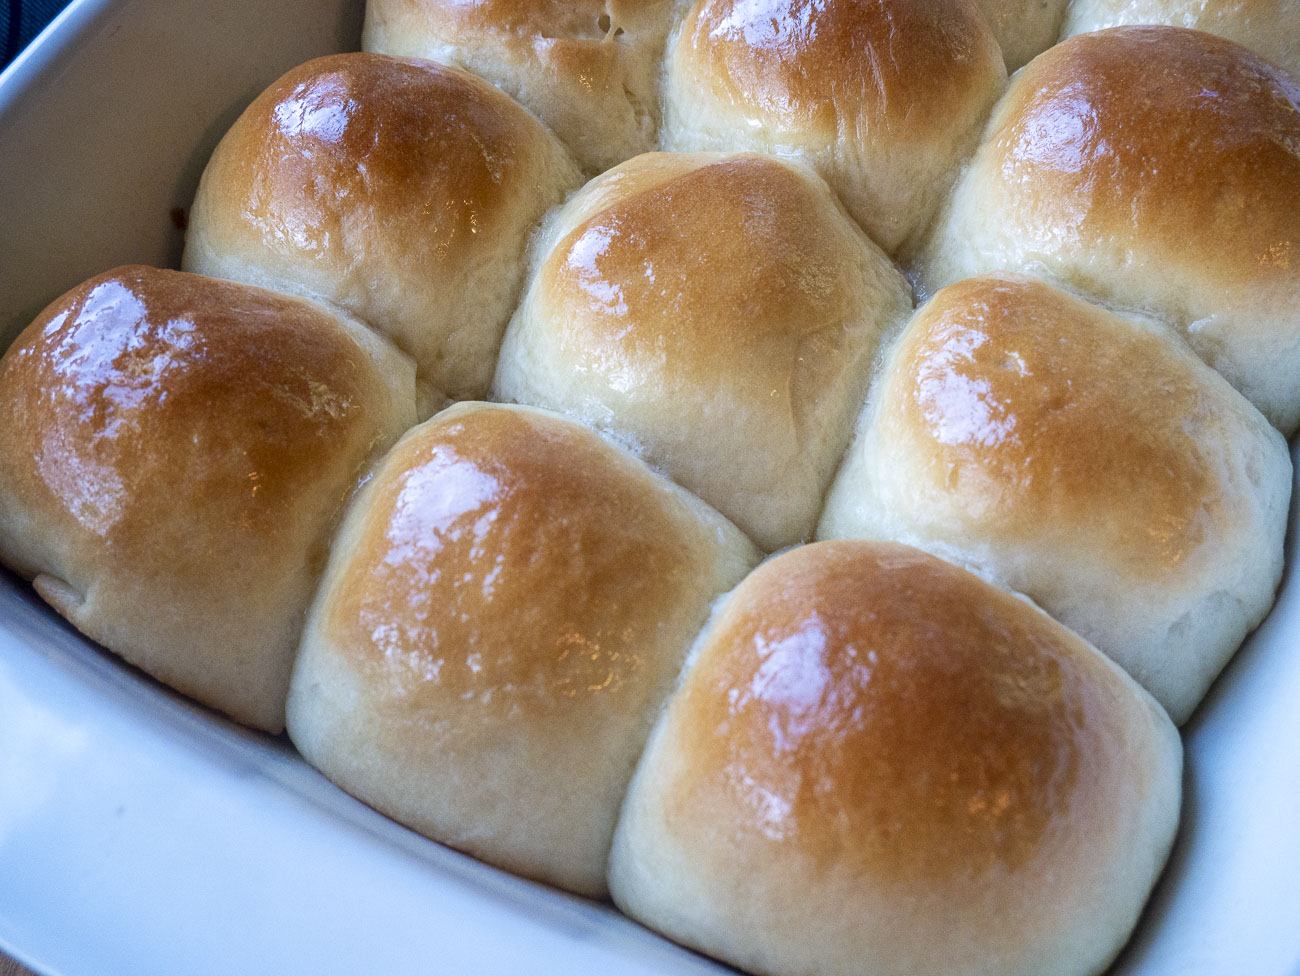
{"points": [[140, 833]]}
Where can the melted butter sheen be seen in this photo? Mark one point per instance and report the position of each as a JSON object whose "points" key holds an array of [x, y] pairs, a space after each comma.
{"points": [[141, 382], [648, 282], [1142, 134], [882, 712], [341, 139], [819, 60], [1028, 408], [515, 563]]}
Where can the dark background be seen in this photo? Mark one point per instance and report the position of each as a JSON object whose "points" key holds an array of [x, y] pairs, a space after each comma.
{"points": [[21, 21]]}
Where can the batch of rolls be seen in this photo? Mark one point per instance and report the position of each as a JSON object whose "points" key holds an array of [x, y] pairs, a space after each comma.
{"points": [[485, 446]]}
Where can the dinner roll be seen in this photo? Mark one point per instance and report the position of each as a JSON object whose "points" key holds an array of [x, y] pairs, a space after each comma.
{"points": [[1023, 28], [1153, 168], [1268, 27], [174, 452], [401, 190], [880, 765], [1084, 458], [721, 313], [508, 604], [588, 68], [884, 97]]}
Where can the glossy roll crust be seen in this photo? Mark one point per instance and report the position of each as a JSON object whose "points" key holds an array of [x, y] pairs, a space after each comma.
{"points": [[884, 97], [589, 69], [880, 764], [719, 312], [1087, 459], [1270, 28], [509, 602], [398, 189], [1152, 168], [174, 453]]}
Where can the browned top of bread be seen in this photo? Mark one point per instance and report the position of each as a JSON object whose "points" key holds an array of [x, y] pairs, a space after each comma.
{"points": [[1162, 136], [691, 265], [358, 152], [1033, 410], [810, 64], [116, 386], [543, 19], [514, 564], [508, 603], [173, 453], [398, 189], [877, 709], [721, 312], [878, 756]]}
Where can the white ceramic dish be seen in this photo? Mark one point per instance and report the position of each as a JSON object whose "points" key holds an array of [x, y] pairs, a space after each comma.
{"points": [[141, 834]]}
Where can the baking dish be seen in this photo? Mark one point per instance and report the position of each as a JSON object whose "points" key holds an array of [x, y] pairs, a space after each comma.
{"points": [[140, 833]]}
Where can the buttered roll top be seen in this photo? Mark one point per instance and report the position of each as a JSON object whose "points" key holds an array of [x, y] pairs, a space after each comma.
{"points": [[174, 455], [877, 761], [1085, 458], [509, 602], [589, 69], [399, 189], [884, 97], [719, 313], [1270, 28], [1152, 168]]}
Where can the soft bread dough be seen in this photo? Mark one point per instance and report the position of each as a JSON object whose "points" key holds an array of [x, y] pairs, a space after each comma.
{"points": [[880, 765], [1270, 28], [507, 606], [883, 97], [1084, 458], [1151, 168], [589, 69], [721, 313], [174, 454], [1024, 28], [398, 189]]}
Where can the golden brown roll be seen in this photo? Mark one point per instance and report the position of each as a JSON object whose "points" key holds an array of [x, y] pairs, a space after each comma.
{"points": [[174, 452], [1270, 28], [1086, 459], [880, 765], [588, 68], [401, 190], [1023, 28], [721, 314], [1152, 168], [508, 604], [883, 97]]}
